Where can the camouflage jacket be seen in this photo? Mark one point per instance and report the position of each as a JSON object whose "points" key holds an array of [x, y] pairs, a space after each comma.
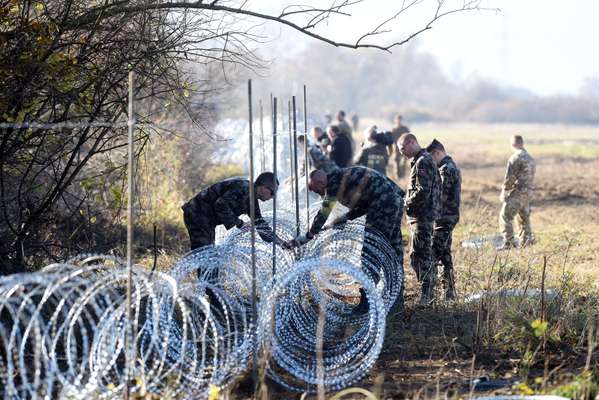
{"points": [[226, 200], [359, 189], [451, 187], [423, 199], [374, 156], [519, 176]]}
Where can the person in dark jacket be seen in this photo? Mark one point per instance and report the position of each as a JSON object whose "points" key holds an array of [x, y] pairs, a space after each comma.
{"points": [[373, 155], [451, 186], [340, 150]]}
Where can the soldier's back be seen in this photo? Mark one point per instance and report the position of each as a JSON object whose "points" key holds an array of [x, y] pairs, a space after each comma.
{"points": [[524, 169]]}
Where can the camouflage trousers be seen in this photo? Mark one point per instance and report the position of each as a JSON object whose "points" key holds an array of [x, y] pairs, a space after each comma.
{"points": [[518, 207], [421, 255], [201, 228], [442, 233], [385, 218]]}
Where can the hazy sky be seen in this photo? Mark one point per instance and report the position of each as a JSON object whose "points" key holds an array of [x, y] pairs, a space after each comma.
{"points": [[547, 46]]}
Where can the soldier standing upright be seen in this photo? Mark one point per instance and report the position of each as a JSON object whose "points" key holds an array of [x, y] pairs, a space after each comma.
{"points": [[422, 208], [345, 128], [516, 194], [340, 150], [451, 186], [364, 192], [373, 154], [400, 162]]}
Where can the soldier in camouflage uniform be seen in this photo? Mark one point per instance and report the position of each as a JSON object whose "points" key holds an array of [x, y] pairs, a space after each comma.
{"points": [[222, 204], [316, 158], [422, 208], [400, 162], [451, 183], [364, 192], [516, 194], [373, 155]]}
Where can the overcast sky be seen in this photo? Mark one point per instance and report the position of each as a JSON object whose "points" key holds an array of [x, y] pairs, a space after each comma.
{"points": [[547, 46]]}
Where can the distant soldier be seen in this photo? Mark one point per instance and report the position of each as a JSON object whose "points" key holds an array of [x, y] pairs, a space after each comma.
{"points": [[320, 138], [340, 150], [400, 162], [364, 192], [516, 194], [345, 128], [223, 203], [355, 122], [451, 186], [373, 154], [422, 208], [316, 158]]}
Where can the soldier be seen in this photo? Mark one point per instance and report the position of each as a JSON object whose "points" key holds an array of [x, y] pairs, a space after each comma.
{"points": [[355, 122], [364, 192], [342, 123], [516, 195], [399, 161], [373, 155], [316, 158], [223, 203], [422, 201], [340, 150], [345, 128], [451, 183], [320, 138]]}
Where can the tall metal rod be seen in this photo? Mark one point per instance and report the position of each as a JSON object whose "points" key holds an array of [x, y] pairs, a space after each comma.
{"points": [[129, 338], [274, 171], [253, 234], [262, 150], [295, 169], [290, 149], [306, 161]]}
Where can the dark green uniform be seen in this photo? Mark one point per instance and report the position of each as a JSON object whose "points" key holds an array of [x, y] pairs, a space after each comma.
{"points": [[365, 192], [374, 156], [221, 204], [422, 208], [451, 183]]}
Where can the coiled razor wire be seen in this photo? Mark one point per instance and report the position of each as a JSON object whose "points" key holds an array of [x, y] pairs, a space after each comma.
{"points": [[62, 330]]}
